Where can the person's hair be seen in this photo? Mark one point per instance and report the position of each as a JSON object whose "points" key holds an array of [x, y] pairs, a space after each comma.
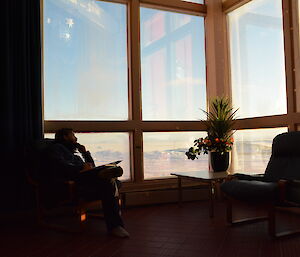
{"points": [[60, 133]]}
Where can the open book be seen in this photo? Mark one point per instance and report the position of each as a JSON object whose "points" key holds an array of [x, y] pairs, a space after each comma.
{"points": [[105, 171], [106, 165], [101, 168], [109, 164]]}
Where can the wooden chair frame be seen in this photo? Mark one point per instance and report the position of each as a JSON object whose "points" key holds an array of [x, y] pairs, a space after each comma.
{"points": [[271, 209]]}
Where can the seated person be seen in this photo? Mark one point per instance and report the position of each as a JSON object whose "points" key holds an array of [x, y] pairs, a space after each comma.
{"points": [[63, 164]]}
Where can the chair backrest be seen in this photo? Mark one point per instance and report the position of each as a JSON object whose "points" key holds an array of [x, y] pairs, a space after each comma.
{"points": [[34, 157], [285, 159], [51, 192]]}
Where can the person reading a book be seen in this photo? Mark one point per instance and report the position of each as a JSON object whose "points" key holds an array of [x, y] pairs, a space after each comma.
{"points": [[93, 182]]}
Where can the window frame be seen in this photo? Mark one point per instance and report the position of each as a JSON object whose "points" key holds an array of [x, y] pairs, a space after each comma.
{"points": [[135, 126], [218, 78]]}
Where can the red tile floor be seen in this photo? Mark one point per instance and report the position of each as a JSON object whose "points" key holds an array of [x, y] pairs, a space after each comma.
{"points": [[156, 231]]}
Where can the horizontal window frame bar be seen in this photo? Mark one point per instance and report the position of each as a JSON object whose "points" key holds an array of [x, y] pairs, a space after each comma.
{"points": [[262, 122], [176, 6], [168, 5], [284, 120], [230, 5], [125, 126], [114, 1]]}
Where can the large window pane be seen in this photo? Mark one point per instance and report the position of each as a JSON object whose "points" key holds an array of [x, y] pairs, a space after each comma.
{"points": [[257, 58], [252, 149], [85, 60], [173, 65], [164, 153], [106, 147]]}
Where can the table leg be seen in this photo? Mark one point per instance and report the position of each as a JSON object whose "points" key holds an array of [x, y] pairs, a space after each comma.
{"points": [[179, 191], [218, 192], [211, 200]]}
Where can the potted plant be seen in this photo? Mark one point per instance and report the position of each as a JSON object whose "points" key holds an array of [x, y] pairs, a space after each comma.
{"points": [[219, 140]]}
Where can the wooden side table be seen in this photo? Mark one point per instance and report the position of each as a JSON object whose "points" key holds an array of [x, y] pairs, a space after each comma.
{"points": [[212, 179]]}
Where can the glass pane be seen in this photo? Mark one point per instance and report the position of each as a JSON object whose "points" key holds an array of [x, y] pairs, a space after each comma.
{"points": [[173, 66], [164, 153], [106, 147], [257, 59], [194, 1], [252, 149], [85, 60]]}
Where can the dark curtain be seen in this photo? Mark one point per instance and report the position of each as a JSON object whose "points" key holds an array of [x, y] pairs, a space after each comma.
{"points": [[21, 102]]}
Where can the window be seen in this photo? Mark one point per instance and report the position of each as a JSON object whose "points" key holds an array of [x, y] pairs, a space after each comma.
{"points": [[164, 153], [85, 60], [106, 147], [252, 149], [173, 66], [257, 59]]}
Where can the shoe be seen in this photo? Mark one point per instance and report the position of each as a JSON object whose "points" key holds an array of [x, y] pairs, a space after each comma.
{"points": [[110, 172], [119, 232]]}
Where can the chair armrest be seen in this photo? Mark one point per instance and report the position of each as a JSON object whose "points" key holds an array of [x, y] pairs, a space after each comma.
{"points": [[258, 177]]}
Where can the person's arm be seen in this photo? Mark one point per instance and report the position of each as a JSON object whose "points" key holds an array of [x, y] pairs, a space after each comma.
{"points": [[85, 154]]}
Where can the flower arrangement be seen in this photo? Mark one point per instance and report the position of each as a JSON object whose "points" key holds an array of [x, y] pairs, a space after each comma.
{"points": [[219, 125]]}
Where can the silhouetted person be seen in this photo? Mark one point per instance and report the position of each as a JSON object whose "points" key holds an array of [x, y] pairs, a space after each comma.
{"points": [[92, 184]]}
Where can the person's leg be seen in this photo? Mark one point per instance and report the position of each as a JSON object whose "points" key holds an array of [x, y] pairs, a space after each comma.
{"points": [[110, 204], [92, 188]]}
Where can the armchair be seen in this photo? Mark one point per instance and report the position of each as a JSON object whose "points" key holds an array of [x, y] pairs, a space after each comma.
{"points": [[277, 189], [52, 194]]}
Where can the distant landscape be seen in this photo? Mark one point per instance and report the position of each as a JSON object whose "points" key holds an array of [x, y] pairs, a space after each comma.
{"points": [[248, 157]]}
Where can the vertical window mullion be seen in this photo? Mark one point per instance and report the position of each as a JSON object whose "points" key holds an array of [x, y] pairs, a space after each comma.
{"points": [[135, 87], [287, 16]]}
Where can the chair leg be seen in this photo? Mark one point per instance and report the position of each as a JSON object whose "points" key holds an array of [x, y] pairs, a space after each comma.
{"points": [[82, 219], [229, 210], [272, 221], [240, 221], [272, 226], [39, 208]]}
